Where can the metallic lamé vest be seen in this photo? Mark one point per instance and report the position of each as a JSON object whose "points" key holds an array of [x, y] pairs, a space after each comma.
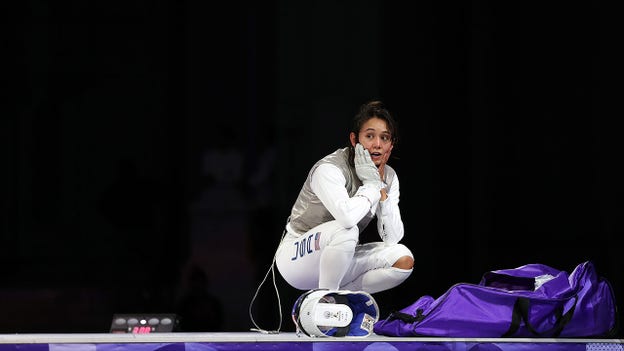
{"points": [[308, 210]]}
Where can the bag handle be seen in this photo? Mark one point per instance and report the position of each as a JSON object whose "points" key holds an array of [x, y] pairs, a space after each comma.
{"points": [[406, 317], [521, 312]]}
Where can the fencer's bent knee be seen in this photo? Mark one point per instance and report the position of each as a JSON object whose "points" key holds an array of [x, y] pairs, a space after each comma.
{"points": [[399, 256], [404, 262]]}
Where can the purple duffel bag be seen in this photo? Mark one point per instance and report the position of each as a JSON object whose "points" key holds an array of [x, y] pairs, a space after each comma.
{"points": [[533, 300]]}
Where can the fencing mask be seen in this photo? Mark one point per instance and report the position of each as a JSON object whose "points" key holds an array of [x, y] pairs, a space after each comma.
{"points": [[322, 312]]}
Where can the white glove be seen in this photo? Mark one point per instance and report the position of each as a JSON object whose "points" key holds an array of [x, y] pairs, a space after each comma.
{"points": [[365, 168], [369, 175]]}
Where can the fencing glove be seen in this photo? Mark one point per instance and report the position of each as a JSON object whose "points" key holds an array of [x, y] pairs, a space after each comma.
{"points": [[368, 173]]}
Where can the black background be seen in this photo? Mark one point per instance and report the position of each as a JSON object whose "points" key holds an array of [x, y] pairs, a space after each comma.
{"points": [[152, 149]]}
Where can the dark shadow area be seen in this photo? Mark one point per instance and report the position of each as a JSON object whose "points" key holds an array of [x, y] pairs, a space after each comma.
{"points": [[152, 150]]}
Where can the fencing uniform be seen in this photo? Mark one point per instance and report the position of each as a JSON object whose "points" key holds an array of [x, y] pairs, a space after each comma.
{"points": [[320, 246]]}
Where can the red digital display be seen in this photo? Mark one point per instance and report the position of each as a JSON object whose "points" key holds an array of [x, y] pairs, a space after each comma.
{"points": [[141, 330], [143, 323]]}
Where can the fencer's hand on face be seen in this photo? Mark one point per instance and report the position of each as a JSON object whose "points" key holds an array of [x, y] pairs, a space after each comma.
{"points": [[365, 167]]}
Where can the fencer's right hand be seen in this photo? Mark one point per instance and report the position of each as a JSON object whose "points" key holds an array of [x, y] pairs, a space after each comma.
{"points": [[365, 167]]}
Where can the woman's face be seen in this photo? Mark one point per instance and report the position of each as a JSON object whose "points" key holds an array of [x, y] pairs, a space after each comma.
{"points": [[375, 138]]}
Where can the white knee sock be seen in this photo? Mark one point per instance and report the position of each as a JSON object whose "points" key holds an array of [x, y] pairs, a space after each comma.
{"points": [[379, 280]]}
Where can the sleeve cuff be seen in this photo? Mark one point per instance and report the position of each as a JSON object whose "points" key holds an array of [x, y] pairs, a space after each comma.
{"points": [[373, 195]]}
